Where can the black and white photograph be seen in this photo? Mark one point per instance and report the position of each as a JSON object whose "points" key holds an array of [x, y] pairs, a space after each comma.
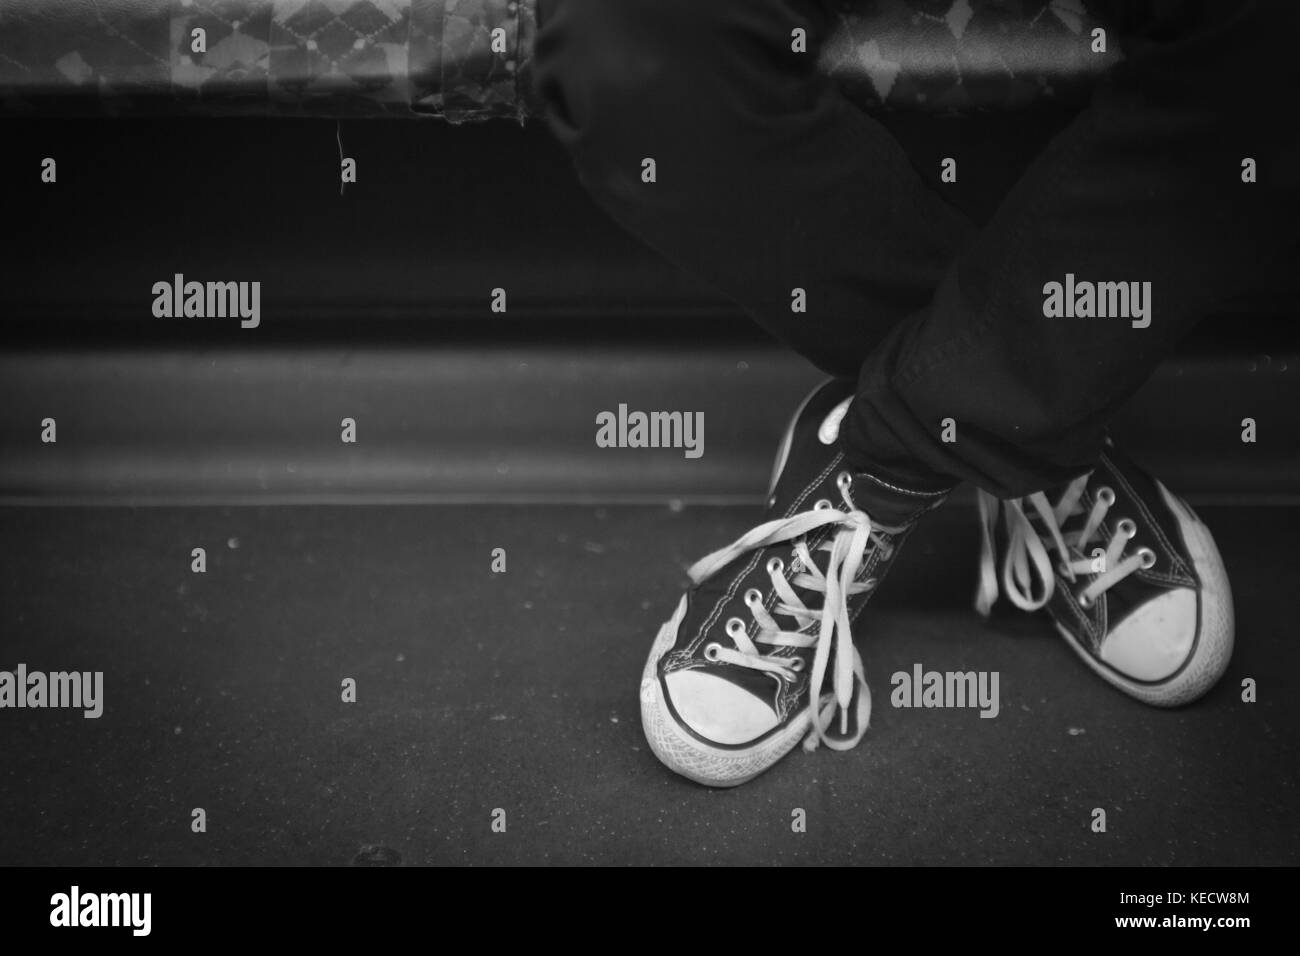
{"points": [[650, 433]]}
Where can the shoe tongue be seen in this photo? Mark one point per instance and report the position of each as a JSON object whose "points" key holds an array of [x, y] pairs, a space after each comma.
{"points": [[829, 430]]}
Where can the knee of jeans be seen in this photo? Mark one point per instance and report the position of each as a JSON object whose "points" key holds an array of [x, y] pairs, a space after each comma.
{"points": [[600, 67]]}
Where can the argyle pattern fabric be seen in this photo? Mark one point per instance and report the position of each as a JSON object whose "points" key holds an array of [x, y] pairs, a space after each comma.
{"points": [[471, 59]]}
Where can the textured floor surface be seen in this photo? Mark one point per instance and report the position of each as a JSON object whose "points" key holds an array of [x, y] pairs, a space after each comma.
{"points": [[478, 691]]}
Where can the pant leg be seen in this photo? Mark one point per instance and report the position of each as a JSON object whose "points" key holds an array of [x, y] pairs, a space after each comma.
{"points": [[768, 180], [1144, 186]]}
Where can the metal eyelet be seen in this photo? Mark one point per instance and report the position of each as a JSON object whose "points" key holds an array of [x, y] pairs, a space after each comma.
{"points": [[775, 566], [712, 651], [1106, 495], [796, 664], [735, 626], [1127, 527], [843, 480], [1084, 600], [753, 596], [1147, 557], [823, 504]]}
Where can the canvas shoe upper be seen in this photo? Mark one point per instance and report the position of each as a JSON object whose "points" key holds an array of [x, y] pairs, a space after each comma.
{"points": [[1128, 573]]}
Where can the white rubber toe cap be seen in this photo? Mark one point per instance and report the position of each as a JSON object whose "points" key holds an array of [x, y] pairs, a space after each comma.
{"points": [[1155, 640], [718, 710]]}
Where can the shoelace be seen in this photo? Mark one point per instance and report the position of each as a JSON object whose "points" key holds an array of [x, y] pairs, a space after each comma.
{"points": [[1027, 556], [847, 549]]}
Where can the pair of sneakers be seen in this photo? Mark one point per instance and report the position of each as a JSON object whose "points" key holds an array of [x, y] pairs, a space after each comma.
{"points": [[759, 654]]}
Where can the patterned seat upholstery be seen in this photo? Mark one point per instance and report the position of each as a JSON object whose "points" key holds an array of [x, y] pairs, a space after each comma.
{"points": [[342, 58]]}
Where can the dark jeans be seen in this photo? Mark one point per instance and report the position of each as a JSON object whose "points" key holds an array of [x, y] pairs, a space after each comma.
{"points": [[769, 179]]}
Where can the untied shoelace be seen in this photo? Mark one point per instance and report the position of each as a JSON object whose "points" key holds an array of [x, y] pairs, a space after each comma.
{"points": [[1027, 557], [847, 546]]}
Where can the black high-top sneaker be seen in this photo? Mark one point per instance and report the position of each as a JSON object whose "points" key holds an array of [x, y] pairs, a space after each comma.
{"points": [[739, 673], [1129, 574]]}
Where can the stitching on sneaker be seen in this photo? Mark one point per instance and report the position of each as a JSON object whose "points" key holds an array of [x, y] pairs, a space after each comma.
{"points": [[903, 491], [1065, 598]]}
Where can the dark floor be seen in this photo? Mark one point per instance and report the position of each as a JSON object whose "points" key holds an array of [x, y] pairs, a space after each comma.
{"points": [[518, 691]]}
